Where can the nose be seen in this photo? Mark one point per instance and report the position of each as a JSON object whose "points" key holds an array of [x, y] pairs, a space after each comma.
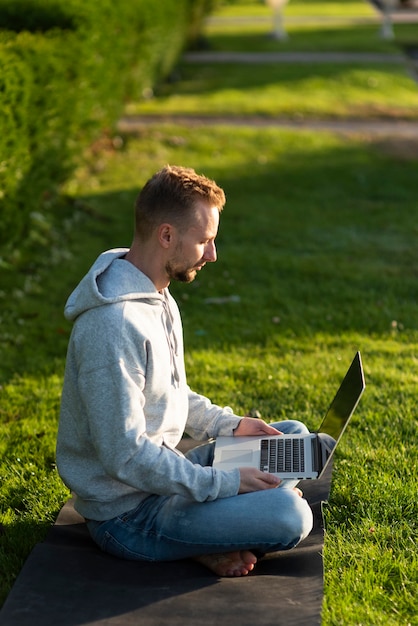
{"points": [[210, 255]]}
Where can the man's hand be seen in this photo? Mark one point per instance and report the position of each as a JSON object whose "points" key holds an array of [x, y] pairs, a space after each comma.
{"points": [[253, 427], [253, 479]]}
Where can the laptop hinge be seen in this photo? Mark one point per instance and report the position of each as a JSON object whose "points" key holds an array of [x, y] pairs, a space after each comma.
{"points": [[316, 454]]}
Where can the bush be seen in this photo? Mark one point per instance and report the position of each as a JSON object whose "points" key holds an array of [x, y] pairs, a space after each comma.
{"points": [[43, 125], [67, 66], [15, 86]]}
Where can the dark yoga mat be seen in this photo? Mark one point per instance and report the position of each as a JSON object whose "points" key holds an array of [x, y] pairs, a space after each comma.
{"points": [[68, 581]]}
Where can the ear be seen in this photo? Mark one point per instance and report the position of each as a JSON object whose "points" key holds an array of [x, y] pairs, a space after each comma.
{"points": [[165, 235]]}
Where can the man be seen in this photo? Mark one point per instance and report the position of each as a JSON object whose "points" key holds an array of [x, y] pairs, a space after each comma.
{"points": [[126, 403]]}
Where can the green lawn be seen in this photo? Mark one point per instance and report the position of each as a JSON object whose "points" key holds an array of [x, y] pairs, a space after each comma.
{"points": [[309, 89], [306, 36], [324, 8], [317, 245], [311, 26], [326, 90]]}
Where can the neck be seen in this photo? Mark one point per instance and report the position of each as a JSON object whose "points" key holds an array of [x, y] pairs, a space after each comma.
{"points": [[148, 264]]}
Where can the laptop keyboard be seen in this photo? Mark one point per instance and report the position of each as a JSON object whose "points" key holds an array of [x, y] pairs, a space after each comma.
{"points": [[282, 455]]}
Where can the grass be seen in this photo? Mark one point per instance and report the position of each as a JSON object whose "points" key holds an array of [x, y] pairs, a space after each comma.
{"points": [[280, 90], [314, 35], [370, 90], [312, 26], [310, 246], [318, 245], [250, 8]]}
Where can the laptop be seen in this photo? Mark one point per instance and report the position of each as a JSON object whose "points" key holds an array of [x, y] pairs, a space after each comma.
{"points": [[297, 456]]}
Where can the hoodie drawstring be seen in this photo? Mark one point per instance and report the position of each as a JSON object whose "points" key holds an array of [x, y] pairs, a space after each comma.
{"points": [[168, 321]]}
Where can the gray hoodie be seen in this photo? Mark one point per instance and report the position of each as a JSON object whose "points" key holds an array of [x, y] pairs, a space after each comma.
{"points": [[125, 401]]}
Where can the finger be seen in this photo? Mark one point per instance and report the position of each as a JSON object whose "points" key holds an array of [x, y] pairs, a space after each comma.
{"points": [[263, 486], [270, 479], [270, 430]]}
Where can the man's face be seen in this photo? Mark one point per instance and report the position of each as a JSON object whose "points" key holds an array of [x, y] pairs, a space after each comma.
{"points": [[196, 247]]}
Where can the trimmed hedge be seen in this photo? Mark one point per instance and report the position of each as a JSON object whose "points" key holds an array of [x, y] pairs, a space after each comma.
{"points": [[15, 87], [66, 68]]}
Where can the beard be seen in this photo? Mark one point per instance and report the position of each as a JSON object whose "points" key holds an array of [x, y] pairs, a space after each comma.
{"points": [[181, 274], [178, 269]]}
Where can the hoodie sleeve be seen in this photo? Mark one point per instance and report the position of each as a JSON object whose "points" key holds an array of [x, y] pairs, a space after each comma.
{"points": [[207, 420]]}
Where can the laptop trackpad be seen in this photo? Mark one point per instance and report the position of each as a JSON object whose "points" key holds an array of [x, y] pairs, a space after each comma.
{"points": [[236, 456]]}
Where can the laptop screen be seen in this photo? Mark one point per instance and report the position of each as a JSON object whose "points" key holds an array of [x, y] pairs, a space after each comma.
{"points": [[345, 401]]}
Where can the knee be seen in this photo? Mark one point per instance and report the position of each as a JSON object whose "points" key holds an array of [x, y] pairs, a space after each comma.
{"points": [[304, 518], [299, 520]]}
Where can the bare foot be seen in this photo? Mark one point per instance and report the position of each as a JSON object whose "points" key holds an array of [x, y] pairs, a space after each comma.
{"points": [[229, 564]]}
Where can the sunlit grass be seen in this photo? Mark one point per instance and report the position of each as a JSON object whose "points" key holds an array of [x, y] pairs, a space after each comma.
{"points": [[292, 90], [297, 7], [306, 89], [310, 26], [307, 36]]}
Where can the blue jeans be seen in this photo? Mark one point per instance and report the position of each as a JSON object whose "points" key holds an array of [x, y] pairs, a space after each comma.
{"points": [[165, 528]]}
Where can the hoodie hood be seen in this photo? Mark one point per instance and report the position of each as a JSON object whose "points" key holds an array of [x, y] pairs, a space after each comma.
{"points": [[111, 279]]}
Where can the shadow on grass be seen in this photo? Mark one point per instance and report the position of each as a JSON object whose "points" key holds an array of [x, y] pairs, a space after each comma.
{"points": [[16, 542]]}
